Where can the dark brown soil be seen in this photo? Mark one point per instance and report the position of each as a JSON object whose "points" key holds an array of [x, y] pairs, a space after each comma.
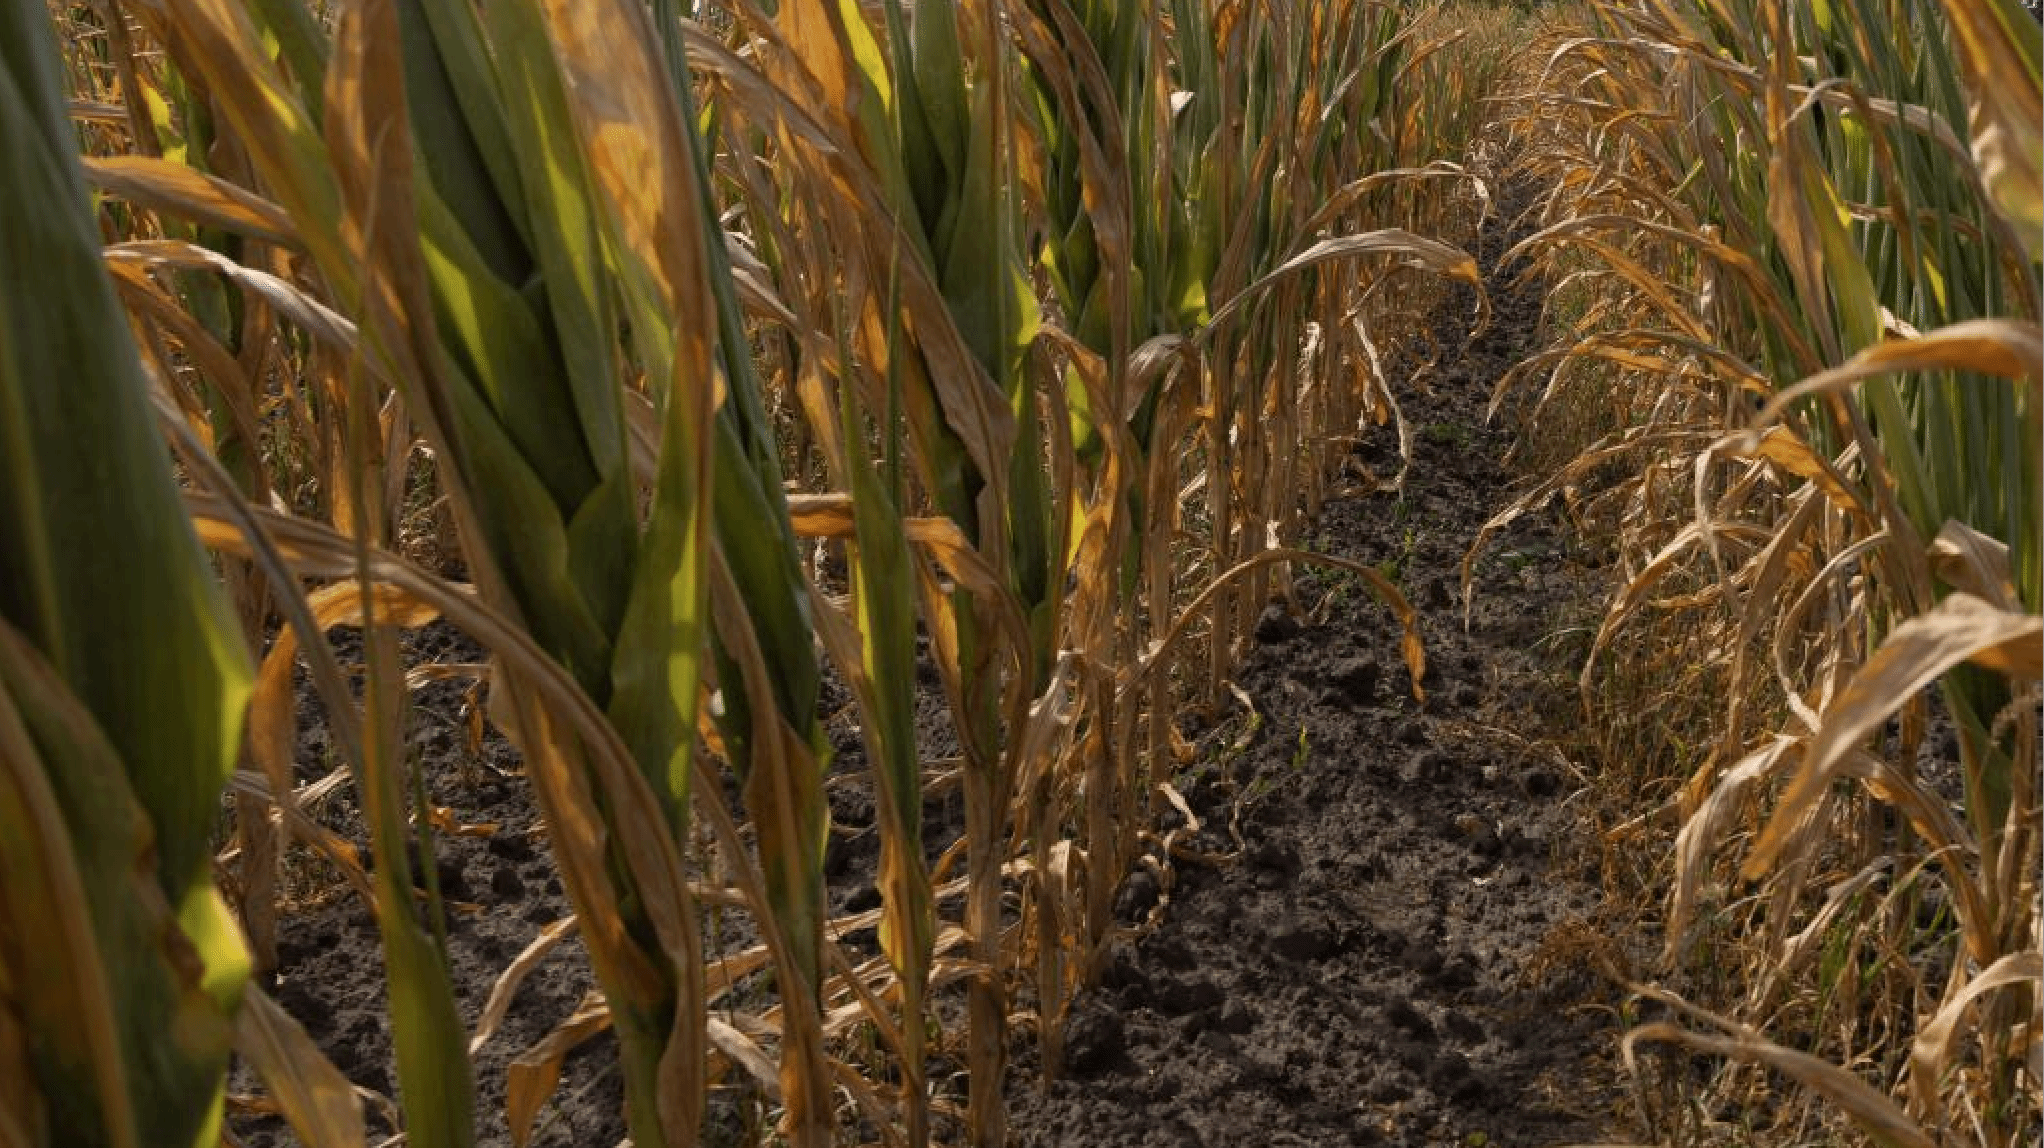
{"points": [[1405, 952]]}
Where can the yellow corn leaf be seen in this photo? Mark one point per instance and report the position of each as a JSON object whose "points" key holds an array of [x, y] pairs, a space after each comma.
{"points": [[2005, 347]]}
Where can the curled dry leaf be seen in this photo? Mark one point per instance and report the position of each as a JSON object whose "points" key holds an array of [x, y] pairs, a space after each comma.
{"points": [[1411, 648], [1962, 628], [531, 1078], [2005, 347], [1998, 47], [1931, 1055], [272, 725], [182, 191], [747, 1054], [1792, 453], [1870, 1111], [1417, 251], [514, 975], [319, 320], [1970, 561], [1702, 832]]}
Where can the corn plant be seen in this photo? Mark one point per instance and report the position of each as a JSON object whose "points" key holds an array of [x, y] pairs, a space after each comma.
{"points": [[891, 199], [625, 604], [523, 279], [930, 211]]}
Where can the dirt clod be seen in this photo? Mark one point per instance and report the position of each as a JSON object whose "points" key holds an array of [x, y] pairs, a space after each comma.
{"points": [[1401, 1013], [511, 846], [1302, 940], [506, 883], [1217, 1042], [1276, 855], [1426, 766], [1276, 626], [1137, 897], [1462, 1028], [1435, 596], [1180, 996], [1094, 1039], [1356, 679], [1235, 1017]]}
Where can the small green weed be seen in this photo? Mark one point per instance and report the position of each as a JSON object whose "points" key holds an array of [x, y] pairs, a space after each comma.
{"points": [[1456, 435]]}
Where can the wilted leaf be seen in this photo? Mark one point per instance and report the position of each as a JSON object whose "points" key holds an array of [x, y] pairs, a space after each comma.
{"points": [[1962, 628], [190, 194], [529, 1081], [1872, 1113], [1930, 1056]]}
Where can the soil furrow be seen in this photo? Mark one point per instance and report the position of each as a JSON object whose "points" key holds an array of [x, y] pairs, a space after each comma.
{"points": [[1405, 951]]}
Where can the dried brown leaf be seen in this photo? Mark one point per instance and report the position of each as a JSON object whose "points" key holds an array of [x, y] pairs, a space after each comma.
{"points": [[514, 974], [1872, 1112], [531, 1078], [1931, 1054], [189, 194], [1962, 628]]}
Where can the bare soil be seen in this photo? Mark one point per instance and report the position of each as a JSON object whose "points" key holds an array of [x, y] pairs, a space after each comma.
{"points": [[1402, 953]]}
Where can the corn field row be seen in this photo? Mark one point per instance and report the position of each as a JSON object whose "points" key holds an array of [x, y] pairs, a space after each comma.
{"points": [[1793, 256], [996, 301], [689, 356]]}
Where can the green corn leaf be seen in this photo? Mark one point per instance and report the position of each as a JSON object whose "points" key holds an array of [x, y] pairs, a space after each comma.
{"points": [[303, 44], [937, 71], [126, 998], [461, 133], [76, 604], [564, 231], [124, 677]]}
